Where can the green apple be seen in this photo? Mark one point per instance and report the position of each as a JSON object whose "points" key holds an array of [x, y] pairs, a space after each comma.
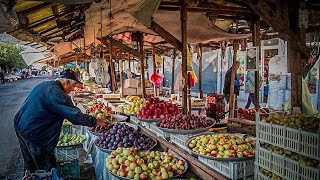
{"points": [[133, 166], [130, 174], [136, 177], [151, 166], [144, 167], [164, 175], [220, 148]]}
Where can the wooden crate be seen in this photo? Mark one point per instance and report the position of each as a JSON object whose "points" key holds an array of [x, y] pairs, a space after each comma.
{"points": [[241, 126]]}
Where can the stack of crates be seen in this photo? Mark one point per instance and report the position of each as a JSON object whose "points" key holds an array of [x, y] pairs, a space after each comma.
{"points": [[68, 162], [289, 139], [215, 103]]}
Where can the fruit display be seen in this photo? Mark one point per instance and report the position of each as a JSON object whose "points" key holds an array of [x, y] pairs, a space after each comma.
{"points": [[250, 114], [216, 106], [90, 102], [132, 98], [270, 174], [133, 164], [99, 130], [122, 135], [185, 122], [134, 106], [70, 139], [222, 146], [295, 121], [303, 160], [99, 111], [155, 109]]}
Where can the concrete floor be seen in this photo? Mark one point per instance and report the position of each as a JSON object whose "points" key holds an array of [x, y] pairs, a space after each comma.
{"points": [[12, 95]]}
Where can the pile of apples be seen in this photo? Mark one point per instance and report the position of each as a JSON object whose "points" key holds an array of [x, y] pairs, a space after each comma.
{"points": [[134, 106], [296, 121], [154, 108], [303, 160], [100, 111], [133, 164], [223, 146], [185, 122]]}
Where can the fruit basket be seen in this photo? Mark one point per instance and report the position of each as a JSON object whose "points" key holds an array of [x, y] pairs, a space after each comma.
{"points": [[222, 147], [123, 135], [184, 124], [133, 165], [105, 129], [41, 175], [68, 140]]}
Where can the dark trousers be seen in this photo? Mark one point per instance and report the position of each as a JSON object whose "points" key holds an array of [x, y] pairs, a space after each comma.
{"points": [[36, 158], [2, 80], [252, 98]]}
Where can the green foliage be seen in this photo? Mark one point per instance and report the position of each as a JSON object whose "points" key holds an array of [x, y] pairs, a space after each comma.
{"points": [[10, 56]]}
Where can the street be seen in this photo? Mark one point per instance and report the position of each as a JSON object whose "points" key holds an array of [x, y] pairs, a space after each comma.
{"points": [[12, 95]]}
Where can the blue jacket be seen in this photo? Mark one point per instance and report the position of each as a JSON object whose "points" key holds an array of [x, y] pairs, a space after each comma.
{"points": [[41, 116]]}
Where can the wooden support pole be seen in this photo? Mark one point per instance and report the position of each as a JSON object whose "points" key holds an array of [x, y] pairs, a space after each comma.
{"points": [[200, 71], [121, 74], [113, 78], [142, 60], [183, 17], [154, 67], [256, 42], [232, 100], [172, 77]]}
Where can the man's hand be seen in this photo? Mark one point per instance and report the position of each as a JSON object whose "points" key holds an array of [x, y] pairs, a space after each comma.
{"points": [[102, 122]]}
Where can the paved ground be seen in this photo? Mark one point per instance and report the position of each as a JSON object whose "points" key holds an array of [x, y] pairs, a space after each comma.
{"points": [[12, 96]]}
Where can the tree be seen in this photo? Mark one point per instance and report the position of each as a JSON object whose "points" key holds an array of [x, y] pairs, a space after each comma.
{"points": [[10, 57]]}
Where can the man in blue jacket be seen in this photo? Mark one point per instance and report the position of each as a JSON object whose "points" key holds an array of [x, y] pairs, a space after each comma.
{"points": [[38, 123]]}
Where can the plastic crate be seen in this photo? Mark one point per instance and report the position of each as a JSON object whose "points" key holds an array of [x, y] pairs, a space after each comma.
{"points": [[41, 175], [291, 169], [145, 124], [264, 158], [67, 154], [71, 129], [277, 164], [264, 132], [180, 141], [69, 169], [232, 170], [154, 128], [134, 120], [285, 167], [261, 176], [278, 135], [310, 144], [296, 140]]}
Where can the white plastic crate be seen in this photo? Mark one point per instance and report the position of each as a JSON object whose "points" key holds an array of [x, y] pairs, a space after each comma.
{"points": [[291, 169], [264, 158], [307, 173], [261, 176], [296, 140], [154, 128], [310, 144], [285, 167], [232, 170], [145, 124], [278, 135], [134, 120], [264, 131], [180, 141]]}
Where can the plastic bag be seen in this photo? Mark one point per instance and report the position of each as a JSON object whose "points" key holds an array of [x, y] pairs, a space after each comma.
{"points": [[307, 106]]}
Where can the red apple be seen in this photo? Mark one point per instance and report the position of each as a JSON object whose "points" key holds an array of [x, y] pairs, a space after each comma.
{"points": [[143, 176], [181, 162], [162, 116], [214, 153]]}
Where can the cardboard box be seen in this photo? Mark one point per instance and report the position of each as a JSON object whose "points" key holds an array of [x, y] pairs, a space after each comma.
{"points": [[131, 83]]}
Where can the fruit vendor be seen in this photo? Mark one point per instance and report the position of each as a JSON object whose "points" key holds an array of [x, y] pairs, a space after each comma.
{"points": [[38, 123], [227, 83]]}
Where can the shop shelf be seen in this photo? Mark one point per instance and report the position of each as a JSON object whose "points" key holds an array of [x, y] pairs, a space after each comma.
{"points": [[69, 169], [232, 170], [180, 141]]}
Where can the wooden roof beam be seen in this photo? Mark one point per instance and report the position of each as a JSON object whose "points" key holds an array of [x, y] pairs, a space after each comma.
{"points": [[122, 46], [166, 35], [34, 9], [53, 18]]}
